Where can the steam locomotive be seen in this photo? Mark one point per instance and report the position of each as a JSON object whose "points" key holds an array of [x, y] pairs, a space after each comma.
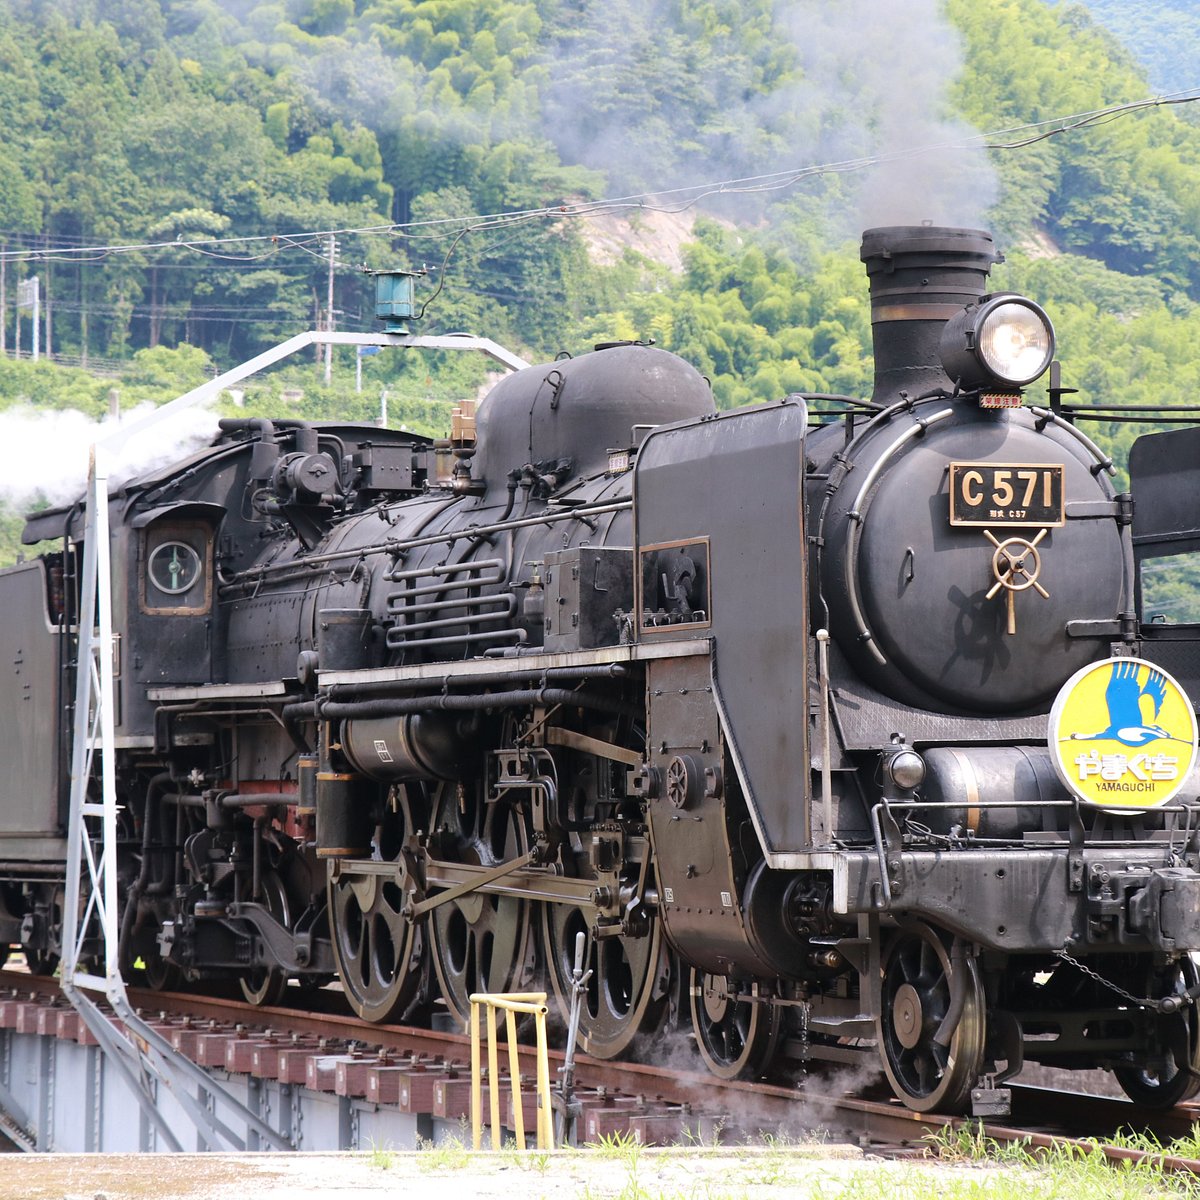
{"points": [[797, 711]]}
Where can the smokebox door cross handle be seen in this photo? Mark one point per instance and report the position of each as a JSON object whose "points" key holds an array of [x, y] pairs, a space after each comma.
{"points": [[1016, 565]]}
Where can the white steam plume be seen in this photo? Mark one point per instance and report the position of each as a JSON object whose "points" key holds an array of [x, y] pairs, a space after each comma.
{"points": [[813, 1112], [54, 467], [903, 57]]}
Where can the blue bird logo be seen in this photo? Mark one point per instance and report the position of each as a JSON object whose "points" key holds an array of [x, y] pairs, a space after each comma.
{"points": [[1126, 718]]}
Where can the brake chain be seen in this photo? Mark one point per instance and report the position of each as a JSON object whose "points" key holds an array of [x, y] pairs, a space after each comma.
{"points": [[1140, 1001]]}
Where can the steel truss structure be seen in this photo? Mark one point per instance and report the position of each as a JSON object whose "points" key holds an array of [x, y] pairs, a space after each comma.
{"points": [[91, 920]]}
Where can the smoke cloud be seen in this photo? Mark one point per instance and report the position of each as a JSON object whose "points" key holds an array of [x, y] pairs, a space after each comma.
{"points": [[657, 97], [903, 58], [827, 84], [58, 473]]}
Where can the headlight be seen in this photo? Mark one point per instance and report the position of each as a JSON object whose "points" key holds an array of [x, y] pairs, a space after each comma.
{"points": [[905, 768], [1004, 341]]}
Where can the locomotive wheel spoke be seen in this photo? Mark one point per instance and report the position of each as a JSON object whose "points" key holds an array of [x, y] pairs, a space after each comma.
{"points": [[915, 997], [736, 1038], [267, 985], [626, 994], [378, 951], [481, 942]]}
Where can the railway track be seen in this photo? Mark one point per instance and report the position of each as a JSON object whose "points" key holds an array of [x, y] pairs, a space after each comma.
{"points": [[423, 1070]]}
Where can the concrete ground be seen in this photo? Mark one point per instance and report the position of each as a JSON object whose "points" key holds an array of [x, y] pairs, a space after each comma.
{"points": [[771, 1173]]}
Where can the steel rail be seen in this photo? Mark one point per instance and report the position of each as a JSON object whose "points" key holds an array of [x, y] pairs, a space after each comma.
{"points": [[1044, 1119]]}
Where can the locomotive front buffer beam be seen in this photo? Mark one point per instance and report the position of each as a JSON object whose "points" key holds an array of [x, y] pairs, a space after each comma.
{"points": [[1036, 900]]}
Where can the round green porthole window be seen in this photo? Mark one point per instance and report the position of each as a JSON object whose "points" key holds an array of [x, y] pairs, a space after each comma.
{"points": [[173, 568]]}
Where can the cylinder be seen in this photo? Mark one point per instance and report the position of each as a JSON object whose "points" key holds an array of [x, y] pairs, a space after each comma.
{"points": [[343, 816], [406, 747], [344, 639]]}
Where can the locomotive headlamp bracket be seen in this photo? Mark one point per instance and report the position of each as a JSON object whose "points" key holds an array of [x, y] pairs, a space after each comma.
{"points": [[1004, 341]]}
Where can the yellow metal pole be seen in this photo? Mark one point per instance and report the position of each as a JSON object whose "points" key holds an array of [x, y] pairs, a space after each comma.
{"points": [[493, 1076], [545, 1124], [533, 1003], [514, 1070], [476, 1099]]}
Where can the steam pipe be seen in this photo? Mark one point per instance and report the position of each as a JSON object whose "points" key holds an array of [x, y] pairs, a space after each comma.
{"points": [[349, 691], [254, 576], [235, 800], [266, 451], [143, 877], [337, 711]]}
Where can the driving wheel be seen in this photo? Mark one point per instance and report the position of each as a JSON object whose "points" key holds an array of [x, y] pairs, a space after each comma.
{"points": [[378, 951], [481, 942], [736, 1037], [629, 987], [916, 996]]}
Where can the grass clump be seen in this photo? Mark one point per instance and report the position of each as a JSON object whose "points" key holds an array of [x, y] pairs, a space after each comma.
{"points": [[450, 1154], [382, 1158], [1065, 1171]]}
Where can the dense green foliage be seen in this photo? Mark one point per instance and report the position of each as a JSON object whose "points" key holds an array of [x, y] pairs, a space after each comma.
{"points": [[162, 124], [159, 123], [1123, 191], [1163, 34]]}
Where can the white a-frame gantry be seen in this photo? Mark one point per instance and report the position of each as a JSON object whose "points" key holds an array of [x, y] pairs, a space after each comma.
{"points": [[91, 920]]}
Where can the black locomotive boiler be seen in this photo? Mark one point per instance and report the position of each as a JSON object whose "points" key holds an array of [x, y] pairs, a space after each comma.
{"points": [[760, 703]]}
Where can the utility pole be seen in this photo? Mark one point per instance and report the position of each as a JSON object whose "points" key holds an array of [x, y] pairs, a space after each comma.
{"points": [[29, 296], [4, 301], [329, 313], [49, 315]]}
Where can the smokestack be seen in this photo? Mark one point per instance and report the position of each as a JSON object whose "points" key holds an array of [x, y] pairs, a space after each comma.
{"points": [[921, 275]]}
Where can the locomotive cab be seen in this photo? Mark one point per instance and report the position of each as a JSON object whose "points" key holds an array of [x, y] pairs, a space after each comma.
{"points": [[1165, 481], [170, 585]]}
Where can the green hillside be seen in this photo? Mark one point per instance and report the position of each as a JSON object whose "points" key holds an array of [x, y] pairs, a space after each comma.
{"points": [[1164, 36], [168, 165]]}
